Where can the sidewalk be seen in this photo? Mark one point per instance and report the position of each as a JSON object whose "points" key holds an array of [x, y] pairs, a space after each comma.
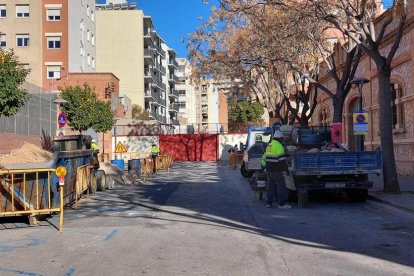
{"points": [[404, 201]]}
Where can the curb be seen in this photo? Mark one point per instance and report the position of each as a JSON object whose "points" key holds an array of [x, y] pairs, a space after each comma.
{"points": [[386, 202]]}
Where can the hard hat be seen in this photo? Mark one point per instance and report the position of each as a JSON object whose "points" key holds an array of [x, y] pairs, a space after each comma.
{"points": [[258, 138], [93, 141], [278, 134]]}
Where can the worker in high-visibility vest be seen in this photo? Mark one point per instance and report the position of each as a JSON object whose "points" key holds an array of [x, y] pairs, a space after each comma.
{"points": [[155, 151], [275, 164], [94, 145], [95, 150]]}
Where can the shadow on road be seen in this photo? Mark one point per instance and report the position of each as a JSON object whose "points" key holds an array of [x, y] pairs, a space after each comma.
{"points": [[211, 194]]}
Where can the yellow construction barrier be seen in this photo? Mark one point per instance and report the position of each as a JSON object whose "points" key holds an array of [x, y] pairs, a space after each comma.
{"points": [[82, 182], [104, 157], [28, 192], [235, 160], [164, 161]]}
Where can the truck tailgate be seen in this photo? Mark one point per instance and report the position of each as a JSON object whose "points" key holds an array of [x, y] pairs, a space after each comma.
{"points": [[331, 163]]}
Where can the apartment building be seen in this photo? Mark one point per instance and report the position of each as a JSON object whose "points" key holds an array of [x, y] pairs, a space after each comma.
{"points": [[189, 112], [130, 47], [172, 102], [202, 104], [53, 37], [21, 29]]}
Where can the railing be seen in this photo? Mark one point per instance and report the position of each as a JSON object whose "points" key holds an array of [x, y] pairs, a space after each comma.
{"points": [[161, 51], [29, 192], [173, 62], [173, 93], [148, 52], [172, 77], [163, 70]]}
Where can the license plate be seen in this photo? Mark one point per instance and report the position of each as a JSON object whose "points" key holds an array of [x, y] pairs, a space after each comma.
{"points": [[335, 185]]}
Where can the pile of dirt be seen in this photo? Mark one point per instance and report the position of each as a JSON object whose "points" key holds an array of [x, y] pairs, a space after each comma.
{"points": [[28, 153]]}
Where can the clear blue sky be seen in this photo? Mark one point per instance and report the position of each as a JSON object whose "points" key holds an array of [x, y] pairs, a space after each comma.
{"points": [[174, 19]]}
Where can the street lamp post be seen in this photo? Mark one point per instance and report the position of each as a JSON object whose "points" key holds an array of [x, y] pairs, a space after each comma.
{"points": [[115, 134], [360, 83]]}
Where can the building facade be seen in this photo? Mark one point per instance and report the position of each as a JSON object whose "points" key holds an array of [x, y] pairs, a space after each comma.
{"points": [[48, 36], [135, 53], [21, 29], [402, 87], [202, 104]]}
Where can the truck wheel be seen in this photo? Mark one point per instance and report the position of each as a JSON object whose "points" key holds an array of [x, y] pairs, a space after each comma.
{"points": [[93, 185], [101, 180], [357, 195], [245, 172]]}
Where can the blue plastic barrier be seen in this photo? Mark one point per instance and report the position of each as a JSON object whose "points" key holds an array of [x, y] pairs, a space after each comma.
{"points": [[119, 163]]}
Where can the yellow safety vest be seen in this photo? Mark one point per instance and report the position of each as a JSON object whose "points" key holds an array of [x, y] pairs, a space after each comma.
{"points": [[154, 150], [94, 146], [274, 157]]}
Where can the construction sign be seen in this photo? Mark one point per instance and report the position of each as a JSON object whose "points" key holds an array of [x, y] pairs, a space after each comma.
{"points": [[120, 148], [360, 122]]}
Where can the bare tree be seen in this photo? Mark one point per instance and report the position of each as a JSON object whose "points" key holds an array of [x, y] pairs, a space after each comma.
{"points": [[362, 22]]}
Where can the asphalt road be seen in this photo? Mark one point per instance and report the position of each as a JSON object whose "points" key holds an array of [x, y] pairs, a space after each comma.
{"points": [[202, 219]]}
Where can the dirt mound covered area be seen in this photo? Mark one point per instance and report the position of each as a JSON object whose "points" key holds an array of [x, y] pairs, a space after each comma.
{"points": [[28, 153]]}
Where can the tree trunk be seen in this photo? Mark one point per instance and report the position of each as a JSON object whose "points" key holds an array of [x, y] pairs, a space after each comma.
{"points": [[338, 107], [390, 177]]}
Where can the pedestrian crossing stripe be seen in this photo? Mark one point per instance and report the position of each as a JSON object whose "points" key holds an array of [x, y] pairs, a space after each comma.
{"points": [[120, 148]]}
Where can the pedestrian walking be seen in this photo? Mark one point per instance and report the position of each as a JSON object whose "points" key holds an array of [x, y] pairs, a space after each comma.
{"points": [[275, 164], [155, 151]]}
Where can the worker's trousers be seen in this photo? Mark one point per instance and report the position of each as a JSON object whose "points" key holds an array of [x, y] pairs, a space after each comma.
{"points": [[154, 163], [275, 185]]}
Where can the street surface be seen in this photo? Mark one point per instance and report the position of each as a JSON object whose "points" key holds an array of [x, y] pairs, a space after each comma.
{"points": [[202, 219]]}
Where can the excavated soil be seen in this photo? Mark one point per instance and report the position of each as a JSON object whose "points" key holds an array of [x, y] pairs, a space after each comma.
{"points": [[28, 153]]}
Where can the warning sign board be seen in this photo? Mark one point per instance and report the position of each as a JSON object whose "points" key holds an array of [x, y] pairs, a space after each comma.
{"points": [[120, 148], [360, 122]]}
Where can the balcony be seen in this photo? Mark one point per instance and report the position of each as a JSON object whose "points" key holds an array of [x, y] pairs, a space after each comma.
{"points": [[204, 110], [173, 63], [149, 75], [172, 78], [163, 70], [148, 56], [204, 101], [173, 108], [160, 51], [173, 93], [162, 102]]}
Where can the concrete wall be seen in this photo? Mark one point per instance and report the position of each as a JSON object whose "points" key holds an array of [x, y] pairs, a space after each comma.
{"points": [[33, 26], [137, 146], [78, 13], [227, 141], [120, 49]]}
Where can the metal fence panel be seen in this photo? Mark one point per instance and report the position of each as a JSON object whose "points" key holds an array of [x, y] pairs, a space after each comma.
{"points": [[39, 113]]}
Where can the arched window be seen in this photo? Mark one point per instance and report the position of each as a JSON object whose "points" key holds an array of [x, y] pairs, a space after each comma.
{"points": [[397, 106], [323, 117]]}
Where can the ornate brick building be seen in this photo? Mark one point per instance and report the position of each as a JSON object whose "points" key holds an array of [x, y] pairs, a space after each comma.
{"points": [[402, 80]]}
